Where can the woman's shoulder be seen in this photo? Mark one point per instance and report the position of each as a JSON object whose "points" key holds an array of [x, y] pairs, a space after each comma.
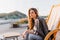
{"points": [[40, 18]]}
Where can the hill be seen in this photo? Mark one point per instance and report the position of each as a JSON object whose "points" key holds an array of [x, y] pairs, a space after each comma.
{"points": [[12, 15]]}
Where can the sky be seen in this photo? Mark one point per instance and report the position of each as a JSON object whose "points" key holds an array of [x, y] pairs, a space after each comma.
{"points": [[43, 6]]}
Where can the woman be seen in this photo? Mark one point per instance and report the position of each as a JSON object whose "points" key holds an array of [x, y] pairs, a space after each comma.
{"points": [[37, 28]]}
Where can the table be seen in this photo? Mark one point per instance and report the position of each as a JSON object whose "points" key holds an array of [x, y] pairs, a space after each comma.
{"points": [[11, 35]]}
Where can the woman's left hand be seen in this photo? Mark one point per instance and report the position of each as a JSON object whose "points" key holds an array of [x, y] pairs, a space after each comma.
{"points": [[31, 31]]}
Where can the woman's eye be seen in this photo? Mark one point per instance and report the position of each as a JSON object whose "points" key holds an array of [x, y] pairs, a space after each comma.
{"points": [[31, 12]]}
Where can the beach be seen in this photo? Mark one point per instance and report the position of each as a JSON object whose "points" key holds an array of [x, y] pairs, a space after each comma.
{"points": [[6, 28]]}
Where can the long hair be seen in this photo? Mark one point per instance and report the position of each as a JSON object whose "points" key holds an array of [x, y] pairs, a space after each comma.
{"points": [[30, 20]]}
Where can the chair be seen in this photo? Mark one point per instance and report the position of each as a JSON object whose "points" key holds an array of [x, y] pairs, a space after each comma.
{"points": [[53, 17], [53, 21], [53, 32]]}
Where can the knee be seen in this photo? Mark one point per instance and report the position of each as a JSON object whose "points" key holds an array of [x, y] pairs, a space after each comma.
{"points": [[30, 37]]}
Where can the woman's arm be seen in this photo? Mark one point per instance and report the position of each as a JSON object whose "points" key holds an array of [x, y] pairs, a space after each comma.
{"points": [[45, 27]]}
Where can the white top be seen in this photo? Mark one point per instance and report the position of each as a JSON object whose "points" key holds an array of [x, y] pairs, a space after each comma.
{"points": [[36, 24]]}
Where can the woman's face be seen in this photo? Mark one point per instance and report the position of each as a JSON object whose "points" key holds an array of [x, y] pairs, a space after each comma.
{"points": [[32, 14]]}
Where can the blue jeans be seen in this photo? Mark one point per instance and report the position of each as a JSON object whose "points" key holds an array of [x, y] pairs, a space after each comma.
{"points": [[34, 37]]}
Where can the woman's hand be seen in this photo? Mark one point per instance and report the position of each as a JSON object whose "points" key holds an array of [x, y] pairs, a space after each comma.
{"points": [[30, 31], [24, 33], [27, 31]]}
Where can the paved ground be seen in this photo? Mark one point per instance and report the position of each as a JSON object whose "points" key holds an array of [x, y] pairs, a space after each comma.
{"points": [[7, 28]]}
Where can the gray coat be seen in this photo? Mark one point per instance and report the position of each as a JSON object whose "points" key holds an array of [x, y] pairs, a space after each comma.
{"points": [[42, 29]]}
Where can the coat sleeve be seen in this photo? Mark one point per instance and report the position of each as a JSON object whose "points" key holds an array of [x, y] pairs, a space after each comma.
{"points": [[45, 27]]}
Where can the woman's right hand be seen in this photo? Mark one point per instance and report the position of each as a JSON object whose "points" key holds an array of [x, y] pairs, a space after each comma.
{"points": [[24, 33]]}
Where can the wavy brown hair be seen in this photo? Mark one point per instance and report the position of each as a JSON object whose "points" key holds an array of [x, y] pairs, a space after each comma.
{"points": [[30, 20]]}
